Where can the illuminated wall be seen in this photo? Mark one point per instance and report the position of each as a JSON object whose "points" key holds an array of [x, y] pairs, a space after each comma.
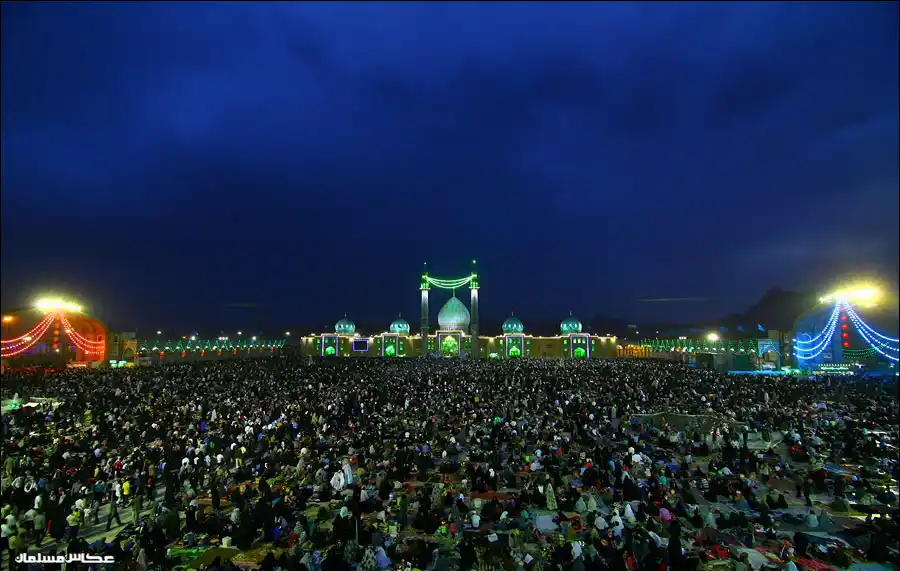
{"points": [[455, 343], [160, 350], [633, 351]]}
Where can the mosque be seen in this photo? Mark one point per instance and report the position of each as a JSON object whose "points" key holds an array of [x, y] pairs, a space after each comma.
{"points": [[457, 335]]}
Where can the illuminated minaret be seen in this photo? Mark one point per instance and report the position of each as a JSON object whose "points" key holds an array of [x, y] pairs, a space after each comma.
{"points": [[423, 321], [473, 321]]}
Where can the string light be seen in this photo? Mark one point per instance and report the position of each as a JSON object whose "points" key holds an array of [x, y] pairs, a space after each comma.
{"points": [[219, 344], [856, 318], [873, 346], [84, 349], [449, 284], [865, 331], [86, 345], [12, 351], [833, 318], [825, 335], [31, 334]]}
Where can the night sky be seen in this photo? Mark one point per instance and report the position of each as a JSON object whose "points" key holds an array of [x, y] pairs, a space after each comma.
{"points": [[220, 165]]}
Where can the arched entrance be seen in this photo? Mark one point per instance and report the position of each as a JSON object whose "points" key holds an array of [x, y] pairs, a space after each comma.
{"points": [[449, 346]]}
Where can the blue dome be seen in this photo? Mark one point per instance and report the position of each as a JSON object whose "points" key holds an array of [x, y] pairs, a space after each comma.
{"points": [[454, 316], [513, 325], [399, 325], [569, 325], [345, 327]]}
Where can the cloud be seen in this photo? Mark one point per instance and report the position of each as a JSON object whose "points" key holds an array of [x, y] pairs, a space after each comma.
{"points": [[728, 129]]}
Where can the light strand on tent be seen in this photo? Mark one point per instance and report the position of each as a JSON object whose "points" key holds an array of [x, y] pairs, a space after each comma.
{"points": [[863, 325], [22, 338], [824, 337], [27, 343], [832, 319], [874, 346], [72, 333]]}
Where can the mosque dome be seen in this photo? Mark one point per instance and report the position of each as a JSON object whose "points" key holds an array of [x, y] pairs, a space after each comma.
{"points": [[345, 327], [454, 316], [399, 325], [513, 325], [569, 325]]}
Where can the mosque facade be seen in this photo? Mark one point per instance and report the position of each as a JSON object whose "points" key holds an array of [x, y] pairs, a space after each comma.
{"points": [[454, 338], [457, 334]]}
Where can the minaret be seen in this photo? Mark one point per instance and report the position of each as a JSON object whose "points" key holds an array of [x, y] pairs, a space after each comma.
{"points": [[423, 320], [473, 320]]}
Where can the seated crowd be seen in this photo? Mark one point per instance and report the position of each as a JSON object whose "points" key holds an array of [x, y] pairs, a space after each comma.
{"points": [[395, 464]]}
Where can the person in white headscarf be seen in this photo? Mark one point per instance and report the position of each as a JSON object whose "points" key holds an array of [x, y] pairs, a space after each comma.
{"points": [[337, 481], [617, 524], [709, 520], [600, 523], [580, 506], [576, 550], [348, 473], [629, 514]]}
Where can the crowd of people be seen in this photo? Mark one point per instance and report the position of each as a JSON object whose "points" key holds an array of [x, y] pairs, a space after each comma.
{"points": [[626, 464]]}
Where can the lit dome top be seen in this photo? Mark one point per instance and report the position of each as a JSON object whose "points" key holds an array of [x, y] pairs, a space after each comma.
{"points": [[345, 326], [569, 325], [400, 325], [513, 325], [454, 316]]}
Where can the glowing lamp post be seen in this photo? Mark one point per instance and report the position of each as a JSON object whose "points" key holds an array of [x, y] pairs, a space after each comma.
{"points": [[7, 321]]}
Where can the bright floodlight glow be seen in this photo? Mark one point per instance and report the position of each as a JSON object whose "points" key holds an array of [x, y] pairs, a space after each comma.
{"points": [[8, 319], [57, 304], [713, 337], [866, 295]]}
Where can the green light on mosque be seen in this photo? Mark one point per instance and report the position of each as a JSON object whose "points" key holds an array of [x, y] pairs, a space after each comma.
{"points": [[515, 352], [389, 351], [579, 353], [449, 346], [329, 351]]}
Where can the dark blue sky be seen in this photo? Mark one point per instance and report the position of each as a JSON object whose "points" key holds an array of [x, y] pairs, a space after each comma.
{"points": [[166, 161]]}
